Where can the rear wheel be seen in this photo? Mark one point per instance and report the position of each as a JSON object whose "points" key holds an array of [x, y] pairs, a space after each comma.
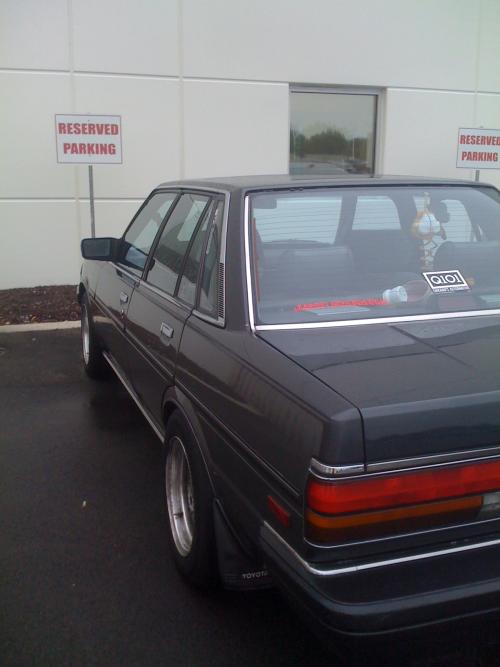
{"points": [[189, 500], [93, 361]]}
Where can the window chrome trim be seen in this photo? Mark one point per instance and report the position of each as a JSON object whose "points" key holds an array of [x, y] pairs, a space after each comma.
{"points": [[222, 256], [129, 274], [377, 320], [251, 314], [333, 572], [162, 294]]}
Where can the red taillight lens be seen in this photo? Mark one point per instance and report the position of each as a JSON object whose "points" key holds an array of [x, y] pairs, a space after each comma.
{"points": [[405, 488], [387, 504]]}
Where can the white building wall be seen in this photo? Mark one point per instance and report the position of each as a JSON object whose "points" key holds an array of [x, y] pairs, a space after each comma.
{"points": [[203, 90]]}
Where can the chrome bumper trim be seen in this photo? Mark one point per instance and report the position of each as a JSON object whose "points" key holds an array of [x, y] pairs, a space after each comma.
{"points": [[338, 571]]}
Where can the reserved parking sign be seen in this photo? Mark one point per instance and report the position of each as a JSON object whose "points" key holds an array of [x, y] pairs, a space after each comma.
{"points": [[88, 139], [478, 148]]}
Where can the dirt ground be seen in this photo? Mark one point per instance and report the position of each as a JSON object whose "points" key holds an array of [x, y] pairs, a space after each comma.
{"points": [[54, 303]]}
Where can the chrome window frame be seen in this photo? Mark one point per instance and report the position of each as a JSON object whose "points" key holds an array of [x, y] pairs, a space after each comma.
{"points": [[333, 323]]}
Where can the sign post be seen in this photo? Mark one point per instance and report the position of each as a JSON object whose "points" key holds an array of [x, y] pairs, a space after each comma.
{"points": [[89, 139], [91, 194], [478, 148]]}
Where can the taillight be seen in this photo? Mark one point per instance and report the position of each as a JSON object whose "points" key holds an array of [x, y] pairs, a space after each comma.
{"points": [[380, 505]]}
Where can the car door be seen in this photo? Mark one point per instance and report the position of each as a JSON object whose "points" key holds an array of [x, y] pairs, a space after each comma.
{"points": [[164, 299], [117, 280]]}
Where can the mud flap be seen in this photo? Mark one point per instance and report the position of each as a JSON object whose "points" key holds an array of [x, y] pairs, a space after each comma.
{"points": [[238, 571]]}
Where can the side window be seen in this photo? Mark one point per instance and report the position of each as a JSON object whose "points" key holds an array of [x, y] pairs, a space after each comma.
{"points": [[375, 213], [189, 279], [174, 242], [210, 277], [140, 235]]}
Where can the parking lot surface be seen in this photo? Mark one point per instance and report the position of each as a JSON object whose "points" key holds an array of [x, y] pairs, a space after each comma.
{"points": [[85, 573]]}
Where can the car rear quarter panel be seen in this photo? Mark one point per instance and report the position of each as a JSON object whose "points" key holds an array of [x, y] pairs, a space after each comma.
{"points": [[263, 418]]}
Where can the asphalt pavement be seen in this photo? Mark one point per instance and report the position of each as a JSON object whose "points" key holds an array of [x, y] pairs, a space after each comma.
{"points": [[85, 573]]}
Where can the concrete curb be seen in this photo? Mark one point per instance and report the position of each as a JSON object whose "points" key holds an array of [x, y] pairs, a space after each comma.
{"points": [[39, 326]]}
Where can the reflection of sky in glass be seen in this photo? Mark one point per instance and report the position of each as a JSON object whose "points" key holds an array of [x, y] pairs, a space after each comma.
{"points": [[312, 113]]}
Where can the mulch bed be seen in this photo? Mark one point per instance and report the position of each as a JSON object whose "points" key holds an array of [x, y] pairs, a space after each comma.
{"points": [[25, 305]]}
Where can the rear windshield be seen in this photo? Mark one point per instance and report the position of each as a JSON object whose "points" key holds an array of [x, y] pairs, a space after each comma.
{"points": [[343, 254]]}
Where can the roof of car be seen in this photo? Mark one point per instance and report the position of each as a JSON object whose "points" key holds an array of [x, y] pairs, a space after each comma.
{"points": [[270, 182]]}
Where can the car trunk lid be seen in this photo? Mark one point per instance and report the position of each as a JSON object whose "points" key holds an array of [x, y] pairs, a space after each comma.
{"points": [[422, 387]]}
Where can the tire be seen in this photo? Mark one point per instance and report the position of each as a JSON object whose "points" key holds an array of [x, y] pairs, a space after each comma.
{"points": [[189, 500], [94, 363]]}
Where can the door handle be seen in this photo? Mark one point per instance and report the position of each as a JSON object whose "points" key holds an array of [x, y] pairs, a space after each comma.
{"points": [[123, 297], [166, 330]]}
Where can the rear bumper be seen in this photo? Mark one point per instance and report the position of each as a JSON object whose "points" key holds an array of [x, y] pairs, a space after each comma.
{"points": [[425, 599]]}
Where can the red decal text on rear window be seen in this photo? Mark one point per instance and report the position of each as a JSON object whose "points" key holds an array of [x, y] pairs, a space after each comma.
{"points": [[301, 307]]}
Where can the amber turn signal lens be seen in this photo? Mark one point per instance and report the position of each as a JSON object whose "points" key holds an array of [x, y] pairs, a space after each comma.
{"points": [[320, 528]]}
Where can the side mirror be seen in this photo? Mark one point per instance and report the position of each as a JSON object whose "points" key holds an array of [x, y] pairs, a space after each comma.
{"points": [[104, 249]]}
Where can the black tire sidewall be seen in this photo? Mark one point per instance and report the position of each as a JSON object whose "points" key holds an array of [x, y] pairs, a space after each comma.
{"points": [[95, 367], [199, 566]]}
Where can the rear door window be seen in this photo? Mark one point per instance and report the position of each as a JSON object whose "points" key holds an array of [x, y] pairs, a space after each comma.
{"points": [[211, 287], [174, 242], [189, 278]]}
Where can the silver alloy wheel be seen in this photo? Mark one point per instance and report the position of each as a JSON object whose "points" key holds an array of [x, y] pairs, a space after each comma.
{"points": [[85, 335], [180, 498]]}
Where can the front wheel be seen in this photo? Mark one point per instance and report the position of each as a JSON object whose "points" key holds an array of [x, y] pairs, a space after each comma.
{"points": [[189, 500], [93, 361]]}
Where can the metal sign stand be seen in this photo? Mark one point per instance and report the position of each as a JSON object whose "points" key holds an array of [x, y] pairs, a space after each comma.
{"points": [[100, 142], [91, 192], [477, 175]]}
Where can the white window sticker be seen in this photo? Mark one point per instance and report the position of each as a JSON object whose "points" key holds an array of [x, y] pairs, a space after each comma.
{"points": [[441, 282]]}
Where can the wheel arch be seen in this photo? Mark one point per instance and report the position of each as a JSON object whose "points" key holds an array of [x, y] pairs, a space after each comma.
{"points": [[176, 400], [239, 568]]}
